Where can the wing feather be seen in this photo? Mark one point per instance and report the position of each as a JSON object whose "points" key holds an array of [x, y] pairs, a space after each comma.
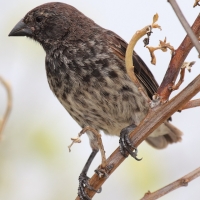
{"points": [[141, 70]]}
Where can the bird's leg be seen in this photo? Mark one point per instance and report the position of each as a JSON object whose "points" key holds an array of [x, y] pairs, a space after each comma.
{"points": [[96, 144], [83, 178], [126, 146], [95, 138]]}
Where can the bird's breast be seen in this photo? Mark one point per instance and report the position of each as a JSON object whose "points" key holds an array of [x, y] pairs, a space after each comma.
{"points": [[96, 91]]}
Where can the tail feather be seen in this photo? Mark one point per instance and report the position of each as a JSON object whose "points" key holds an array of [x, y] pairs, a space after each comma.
{"points": [[164, 135]]}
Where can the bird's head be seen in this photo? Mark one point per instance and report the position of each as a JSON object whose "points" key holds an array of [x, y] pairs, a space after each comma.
{"points": [[51, 23]]}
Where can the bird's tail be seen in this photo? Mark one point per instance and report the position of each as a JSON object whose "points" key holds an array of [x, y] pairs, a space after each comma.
{"points": [[165, 134]]}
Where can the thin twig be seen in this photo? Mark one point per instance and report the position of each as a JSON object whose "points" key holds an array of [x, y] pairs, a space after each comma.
{"points": [[181, 79], [185, 24], [176, 63], [9, 105], [154, 118], [172, 186]]}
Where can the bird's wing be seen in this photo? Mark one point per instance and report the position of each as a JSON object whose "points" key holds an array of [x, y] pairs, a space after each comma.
{"points": [[142, 72]]}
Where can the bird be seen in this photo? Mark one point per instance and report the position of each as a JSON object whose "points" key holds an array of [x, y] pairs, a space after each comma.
{"points": [[85, 68]]}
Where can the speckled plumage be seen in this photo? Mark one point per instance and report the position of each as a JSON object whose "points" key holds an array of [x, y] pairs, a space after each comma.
{"points": [[86, 71]]}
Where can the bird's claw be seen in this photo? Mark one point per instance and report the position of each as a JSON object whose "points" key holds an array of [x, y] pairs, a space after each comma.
{"points": [[126, 146], [83, 183], [104, 172]]}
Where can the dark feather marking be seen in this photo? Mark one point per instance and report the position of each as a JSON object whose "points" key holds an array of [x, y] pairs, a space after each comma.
{"points": [[142, 72]]}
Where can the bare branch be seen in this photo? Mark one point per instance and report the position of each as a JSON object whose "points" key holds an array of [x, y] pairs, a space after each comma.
{"points": [[185, 24], [186, 65], [191, 104], [129, 62], [181, 79], [9, 105], [172, 186], [176, 63], [154, 118]]}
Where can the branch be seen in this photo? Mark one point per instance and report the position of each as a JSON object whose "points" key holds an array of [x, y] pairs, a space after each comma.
{"points": [[172, 186], [154, 118], [129, 60], [176, 63], [191, 104], [9, 105], [185, 24], [129, 52]]}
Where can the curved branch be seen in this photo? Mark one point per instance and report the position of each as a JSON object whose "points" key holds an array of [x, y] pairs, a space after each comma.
{"points": [[9, 105], [129, 60]]}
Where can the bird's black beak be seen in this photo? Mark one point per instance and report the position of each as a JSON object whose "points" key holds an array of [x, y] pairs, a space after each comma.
{"points": [[21, 29]]}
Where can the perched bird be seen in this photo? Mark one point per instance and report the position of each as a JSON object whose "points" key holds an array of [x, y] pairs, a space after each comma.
{"points": [[86, 71]]}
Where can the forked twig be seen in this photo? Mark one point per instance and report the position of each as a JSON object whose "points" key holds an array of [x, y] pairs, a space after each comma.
{"points": [[176, 63], [129, 51]]}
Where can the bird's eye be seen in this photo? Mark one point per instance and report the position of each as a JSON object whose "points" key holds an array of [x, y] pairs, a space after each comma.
{"points": [[39, 19]]}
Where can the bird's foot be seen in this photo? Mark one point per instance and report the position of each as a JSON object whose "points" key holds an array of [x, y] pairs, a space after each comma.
{"points": [[83, 183], [104, 172], [125, 144]]}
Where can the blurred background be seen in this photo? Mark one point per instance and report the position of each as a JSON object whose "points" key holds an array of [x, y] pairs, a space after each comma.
{"points": [[35, 163]]}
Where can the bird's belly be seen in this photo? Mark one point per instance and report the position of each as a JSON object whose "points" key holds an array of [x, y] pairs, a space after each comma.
{"points": [[110, 113], [103, 99]]}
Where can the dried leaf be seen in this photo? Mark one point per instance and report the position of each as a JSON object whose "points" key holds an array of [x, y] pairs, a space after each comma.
{"points": [[164, 46], [155, 18], [157, 26], [188, 65], [74, 140], [196, 3], [153, 57]]}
